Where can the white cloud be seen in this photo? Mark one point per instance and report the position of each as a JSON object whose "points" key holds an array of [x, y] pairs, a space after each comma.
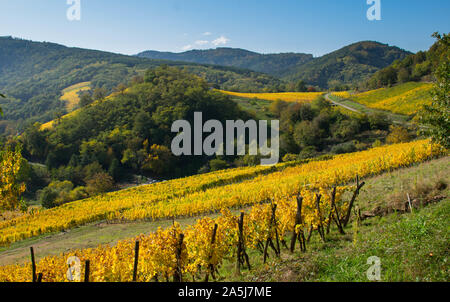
{"points": [[222, 40], [207, 33], [187, 47], [201, 42]]}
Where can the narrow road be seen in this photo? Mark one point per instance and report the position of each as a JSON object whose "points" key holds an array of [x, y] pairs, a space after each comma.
{"points": [[327, 97]]}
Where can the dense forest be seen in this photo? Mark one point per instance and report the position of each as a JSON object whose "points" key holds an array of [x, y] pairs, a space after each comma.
{"points": [[338, 70], [130, 133], [415, 67], [348, 66], [33, 74], [112, 140], [273, 64]]}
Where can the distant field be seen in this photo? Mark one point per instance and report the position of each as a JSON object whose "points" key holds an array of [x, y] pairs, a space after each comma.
{"points": [[70, 94], [406, 98], [299, 97]]}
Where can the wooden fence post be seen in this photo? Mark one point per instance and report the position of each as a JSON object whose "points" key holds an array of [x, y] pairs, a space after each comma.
{"points": [[87, 270], [320, 226], [269, 238], [241, 253], [178, 277], [352, 201], [33, 264], [210, 266], [336, 217], [239, 247], [136, 261], [298, 220]]}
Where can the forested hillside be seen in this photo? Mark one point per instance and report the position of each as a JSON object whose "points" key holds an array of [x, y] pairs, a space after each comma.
{"points": [[34, 74], [273, 64], [128, 133], [348, 66], [415, 67]]}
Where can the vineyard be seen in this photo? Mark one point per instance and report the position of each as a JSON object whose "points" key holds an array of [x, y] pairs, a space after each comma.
{"points": [[300, 97], [113, 205], [405, 99], [70, 94], [298, 199]]}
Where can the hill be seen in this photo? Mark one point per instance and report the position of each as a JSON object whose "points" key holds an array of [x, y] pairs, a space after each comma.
{"points": [[348, 65], [415, 67], [33, 75], [407, 98], [273, 64], [122, 130], [151, 202], [299, 97]]}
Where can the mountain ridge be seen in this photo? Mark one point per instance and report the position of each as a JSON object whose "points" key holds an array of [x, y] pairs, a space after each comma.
{"points": [[271, 63], [33, 74], [347, 65]]}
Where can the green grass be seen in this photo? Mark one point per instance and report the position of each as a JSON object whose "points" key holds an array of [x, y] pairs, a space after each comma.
{"points": [[411, 247], [256, 107]]}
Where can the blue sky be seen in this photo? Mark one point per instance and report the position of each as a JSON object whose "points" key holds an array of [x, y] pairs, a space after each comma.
{"points": [[309, 26]]}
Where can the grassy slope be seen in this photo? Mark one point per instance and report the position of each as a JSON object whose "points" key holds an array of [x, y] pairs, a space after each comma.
{"points": [[283, 96], [396, 118], [405, 98], [49, 125], [412, 247], [257, 108], [102, 233], [70, 95]]}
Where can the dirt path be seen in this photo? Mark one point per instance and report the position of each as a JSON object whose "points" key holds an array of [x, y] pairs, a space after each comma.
{"points": [[327, 97], [88, 236]]}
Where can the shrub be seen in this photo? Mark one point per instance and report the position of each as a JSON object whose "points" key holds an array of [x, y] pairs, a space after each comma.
{"points": [[344, 148], [398, 135], [217, 164], [289, 157], [308, 152], [100, 183]]}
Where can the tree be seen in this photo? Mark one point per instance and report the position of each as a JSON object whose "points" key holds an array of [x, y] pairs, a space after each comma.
{"points": [[120, 88], [11, 162], [217, 164], [403, 75], [114, 169], [301, 86], [100, 183], [99, 94], [436, 117], [85, 99], [398, 135], [160, 160], [1, 96], [306, 134]]}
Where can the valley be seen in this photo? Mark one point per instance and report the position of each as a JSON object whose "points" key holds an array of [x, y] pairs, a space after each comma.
{"points": [[362, 169]]}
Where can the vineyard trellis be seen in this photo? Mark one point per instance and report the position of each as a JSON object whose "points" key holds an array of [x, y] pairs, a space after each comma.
{"points": [[285, 205], [228, 237]]}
